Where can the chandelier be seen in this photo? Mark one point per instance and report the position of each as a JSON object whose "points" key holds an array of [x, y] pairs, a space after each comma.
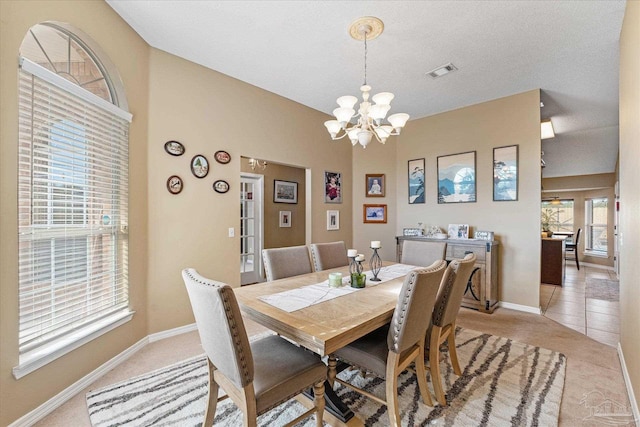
{"points": [[369, 118], [255, 163]]}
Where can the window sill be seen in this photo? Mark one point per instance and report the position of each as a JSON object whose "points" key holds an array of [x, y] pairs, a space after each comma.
{"points": [[41, 356], [596, 254]]}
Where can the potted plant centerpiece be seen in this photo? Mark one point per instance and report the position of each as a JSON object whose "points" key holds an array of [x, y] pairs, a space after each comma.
{"points": [[548, 216]]}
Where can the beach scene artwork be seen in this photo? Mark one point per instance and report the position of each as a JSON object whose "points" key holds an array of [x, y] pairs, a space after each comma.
{"points": [[457, 178]]}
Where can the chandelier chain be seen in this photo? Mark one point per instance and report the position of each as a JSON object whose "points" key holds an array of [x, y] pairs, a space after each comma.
{"points": [[365, 57]]}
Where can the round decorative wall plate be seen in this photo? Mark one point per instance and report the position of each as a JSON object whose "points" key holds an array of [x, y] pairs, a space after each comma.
{"points": [[174, 184], [199, 166], [221, 186], [222, 157], [174, 148]]}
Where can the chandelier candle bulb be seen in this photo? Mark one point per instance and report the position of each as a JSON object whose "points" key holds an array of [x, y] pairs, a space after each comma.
{"points": [[352, 253], [375, 244]]}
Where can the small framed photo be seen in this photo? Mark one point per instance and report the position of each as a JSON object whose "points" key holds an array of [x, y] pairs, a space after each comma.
{"points": [[375, 185], [285, 219], [221, 186], [333, 220], [415, 170], [505, 174], [222, 157], [458, 231], [332, 187], [199, 166], [457, 178], [375, 214], [285, 191], [174, 148]]}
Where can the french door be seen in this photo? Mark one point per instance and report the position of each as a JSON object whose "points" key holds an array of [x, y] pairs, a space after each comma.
{"points": [[251, 227]]}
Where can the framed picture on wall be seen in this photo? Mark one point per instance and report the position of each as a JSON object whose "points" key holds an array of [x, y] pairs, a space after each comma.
{"points": [[415, 170], [333, 220], [457, 178], [332, 187], [285, 191], [285, 219], [374, 214], [505, 173], [375, 185]]}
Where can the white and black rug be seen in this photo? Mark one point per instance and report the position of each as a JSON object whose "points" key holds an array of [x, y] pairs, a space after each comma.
{"points": [[504, 383]]}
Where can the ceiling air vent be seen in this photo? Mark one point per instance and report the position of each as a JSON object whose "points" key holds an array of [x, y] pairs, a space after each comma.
{"points": [[442, 70]]}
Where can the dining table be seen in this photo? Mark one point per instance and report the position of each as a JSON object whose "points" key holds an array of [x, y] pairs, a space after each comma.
{"points": [[323, 319]]}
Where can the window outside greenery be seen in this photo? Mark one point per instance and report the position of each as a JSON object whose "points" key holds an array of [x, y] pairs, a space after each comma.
{"points": [[596, 225], [557, 216]]}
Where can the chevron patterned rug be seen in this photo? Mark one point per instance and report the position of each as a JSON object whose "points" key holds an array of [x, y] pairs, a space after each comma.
{"points": [[504, 382]]}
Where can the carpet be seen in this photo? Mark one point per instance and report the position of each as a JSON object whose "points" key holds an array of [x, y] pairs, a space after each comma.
{"points": [[603, 289], [504, 382]]}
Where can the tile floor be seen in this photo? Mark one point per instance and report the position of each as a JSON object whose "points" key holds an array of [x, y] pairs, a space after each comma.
{"points": [[568, 305]]}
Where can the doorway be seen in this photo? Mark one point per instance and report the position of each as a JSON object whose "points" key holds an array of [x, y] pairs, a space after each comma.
{"points": [[251, 227]]}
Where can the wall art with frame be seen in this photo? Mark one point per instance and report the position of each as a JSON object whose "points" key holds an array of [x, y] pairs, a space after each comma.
{"points": [[457, 178], [505, 173], [285, 218], [333, 220], [375, 184], [332, 187], [285, 191], [374, 214], [415, 171]]}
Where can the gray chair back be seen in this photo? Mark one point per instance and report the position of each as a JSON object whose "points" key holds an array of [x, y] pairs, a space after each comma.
{"points": [[220, 326], [422, 253], [415, 305], [452, 289], [329, 255], [286, 262]]}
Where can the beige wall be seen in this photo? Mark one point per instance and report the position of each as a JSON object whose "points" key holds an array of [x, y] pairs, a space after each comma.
{"points": [[209, 111], [274, 235], [600, 185], [375, 159], [579, 182], [629, 194], [130, 55], [506, 121]]}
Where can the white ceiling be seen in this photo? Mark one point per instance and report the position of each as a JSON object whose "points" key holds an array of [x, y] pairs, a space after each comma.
{"points": [[301, 50]]}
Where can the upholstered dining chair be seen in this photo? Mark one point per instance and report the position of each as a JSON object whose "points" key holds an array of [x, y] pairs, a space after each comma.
{"points": [[391, 349], [329, 255], [572, 248], [443, 319], [422, 253], [257, 376], [286, 262]]}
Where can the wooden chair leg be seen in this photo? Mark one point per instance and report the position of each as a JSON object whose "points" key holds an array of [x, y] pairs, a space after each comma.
{"points": [[249, 409], [453, 353], [318, 402], [212, 398], [391, 386], [577, 261], [422, 377], [434, 364]]}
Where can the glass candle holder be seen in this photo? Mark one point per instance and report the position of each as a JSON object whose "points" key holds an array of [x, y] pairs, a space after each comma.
{"points": [[335, 280]]}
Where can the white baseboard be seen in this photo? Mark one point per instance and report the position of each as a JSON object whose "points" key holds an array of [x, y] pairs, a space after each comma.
{"points": [[59, 399], [627, 382], [520, 307], [172, 332], [603, 267]]}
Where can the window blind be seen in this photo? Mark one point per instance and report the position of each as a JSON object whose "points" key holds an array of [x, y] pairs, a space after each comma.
{"points": [[72, 210]]}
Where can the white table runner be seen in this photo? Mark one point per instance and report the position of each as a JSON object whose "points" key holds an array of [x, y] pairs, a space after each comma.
{"points": [[299, 298]]}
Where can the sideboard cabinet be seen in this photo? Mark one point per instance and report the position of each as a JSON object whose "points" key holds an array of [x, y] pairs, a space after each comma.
{"points": [[482, 290]]}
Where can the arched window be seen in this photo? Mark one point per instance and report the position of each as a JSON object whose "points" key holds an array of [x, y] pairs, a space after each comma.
{"points": [[72, 196]]}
